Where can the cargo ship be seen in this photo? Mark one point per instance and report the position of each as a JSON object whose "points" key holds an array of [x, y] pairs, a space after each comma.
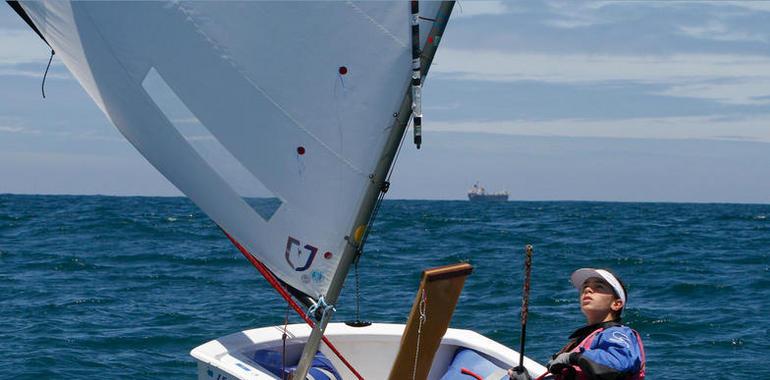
{"points": [[478, 193]]}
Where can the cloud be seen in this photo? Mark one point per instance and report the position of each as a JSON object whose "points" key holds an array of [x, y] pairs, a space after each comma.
{"points": [[442, 107], [22, 46], [726, 78], [479, 8], [574, 15], [718, 31], [10, 124], [11, 71], [580, 68], [752, 128], [570, 23], [752, 6], [18, 126], [749, 91], [19, 130], [11, 129], [23, 54]]}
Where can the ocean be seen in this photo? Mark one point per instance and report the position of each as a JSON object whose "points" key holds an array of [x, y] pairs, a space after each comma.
{"points": [[124, 287]]}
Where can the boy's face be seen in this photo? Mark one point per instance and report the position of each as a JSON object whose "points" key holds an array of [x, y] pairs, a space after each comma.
{"points": [[598, 301]]}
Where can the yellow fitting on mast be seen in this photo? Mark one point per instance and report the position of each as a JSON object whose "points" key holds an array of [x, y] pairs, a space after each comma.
{"points": [[359, 234]]}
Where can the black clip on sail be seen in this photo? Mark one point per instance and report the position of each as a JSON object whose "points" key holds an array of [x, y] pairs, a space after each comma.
{"points": [[416, 80]]}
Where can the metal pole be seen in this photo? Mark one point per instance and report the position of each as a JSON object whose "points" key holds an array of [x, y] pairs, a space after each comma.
{"points": [[416, 82]]}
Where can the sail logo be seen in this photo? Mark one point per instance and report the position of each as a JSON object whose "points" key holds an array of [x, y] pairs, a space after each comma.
{"points": [[303, 256]]}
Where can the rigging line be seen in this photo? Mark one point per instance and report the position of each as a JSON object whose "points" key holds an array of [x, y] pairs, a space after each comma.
{"points": [[358, 292], [24, 16], [398, 152], [45, 75], [380, 197], [370, 223], [375, 211], [227, 57], [283, 338], [423, 317], [273, 281]]}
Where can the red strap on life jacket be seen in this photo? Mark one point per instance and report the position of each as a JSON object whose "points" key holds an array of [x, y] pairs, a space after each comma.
{"points": [[640, 375], [585, 344]]}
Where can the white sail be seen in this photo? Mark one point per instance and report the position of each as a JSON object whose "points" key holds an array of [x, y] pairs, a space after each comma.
{"points": [[298, 97]]}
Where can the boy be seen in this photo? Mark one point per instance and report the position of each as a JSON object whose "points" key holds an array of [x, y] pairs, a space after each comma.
{"points": [[604, 348]]}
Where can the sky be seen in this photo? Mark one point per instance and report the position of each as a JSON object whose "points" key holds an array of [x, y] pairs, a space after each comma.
{"points": [[609, 101]]}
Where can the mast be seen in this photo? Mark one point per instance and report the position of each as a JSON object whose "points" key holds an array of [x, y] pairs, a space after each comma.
{"points": [[326, 304]]}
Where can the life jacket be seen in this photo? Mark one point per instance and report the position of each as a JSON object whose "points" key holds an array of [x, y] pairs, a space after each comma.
{"points": [[585, 344]]}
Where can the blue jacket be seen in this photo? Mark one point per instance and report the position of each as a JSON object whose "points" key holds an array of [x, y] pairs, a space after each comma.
{"points": [[615, 347], [614, 353]]}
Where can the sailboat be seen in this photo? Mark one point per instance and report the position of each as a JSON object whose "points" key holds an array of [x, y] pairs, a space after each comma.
{"points": [[308, 101]]}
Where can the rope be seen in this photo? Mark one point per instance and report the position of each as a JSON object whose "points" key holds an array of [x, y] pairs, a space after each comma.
{"points": [[322, 305], [423, 317], [375, 211], [398, 152], [525, 300], [42, 85], [283, 337], [358, 294], [265, 272], [384, 189]]}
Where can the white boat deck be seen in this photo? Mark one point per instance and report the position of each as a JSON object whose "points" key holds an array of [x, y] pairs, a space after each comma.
{"points": [[371, 350]]}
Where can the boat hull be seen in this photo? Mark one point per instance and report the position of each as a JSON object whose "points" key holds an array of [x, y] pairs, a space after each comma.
{"points": [[371, 350], [487, 197]]}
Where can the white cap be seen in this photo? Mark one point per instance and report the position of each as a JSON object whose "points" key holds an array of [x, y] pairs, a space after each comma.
{"points": [[581, 275]]}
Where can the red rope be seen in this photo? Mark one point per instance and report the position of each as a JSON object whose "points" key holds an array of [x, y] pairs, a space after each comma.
{"points": [[277, 285], [466, 371]]}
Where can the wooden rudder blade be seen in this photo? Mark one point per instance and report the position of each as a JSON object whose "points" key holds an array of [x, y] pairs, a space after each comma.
{"points": [[441, 288]]}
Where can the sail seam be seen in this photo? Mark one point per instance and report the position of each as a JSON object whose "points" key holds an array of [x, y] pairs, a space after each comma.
{"points": [[226, 56], [377, 24]]}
